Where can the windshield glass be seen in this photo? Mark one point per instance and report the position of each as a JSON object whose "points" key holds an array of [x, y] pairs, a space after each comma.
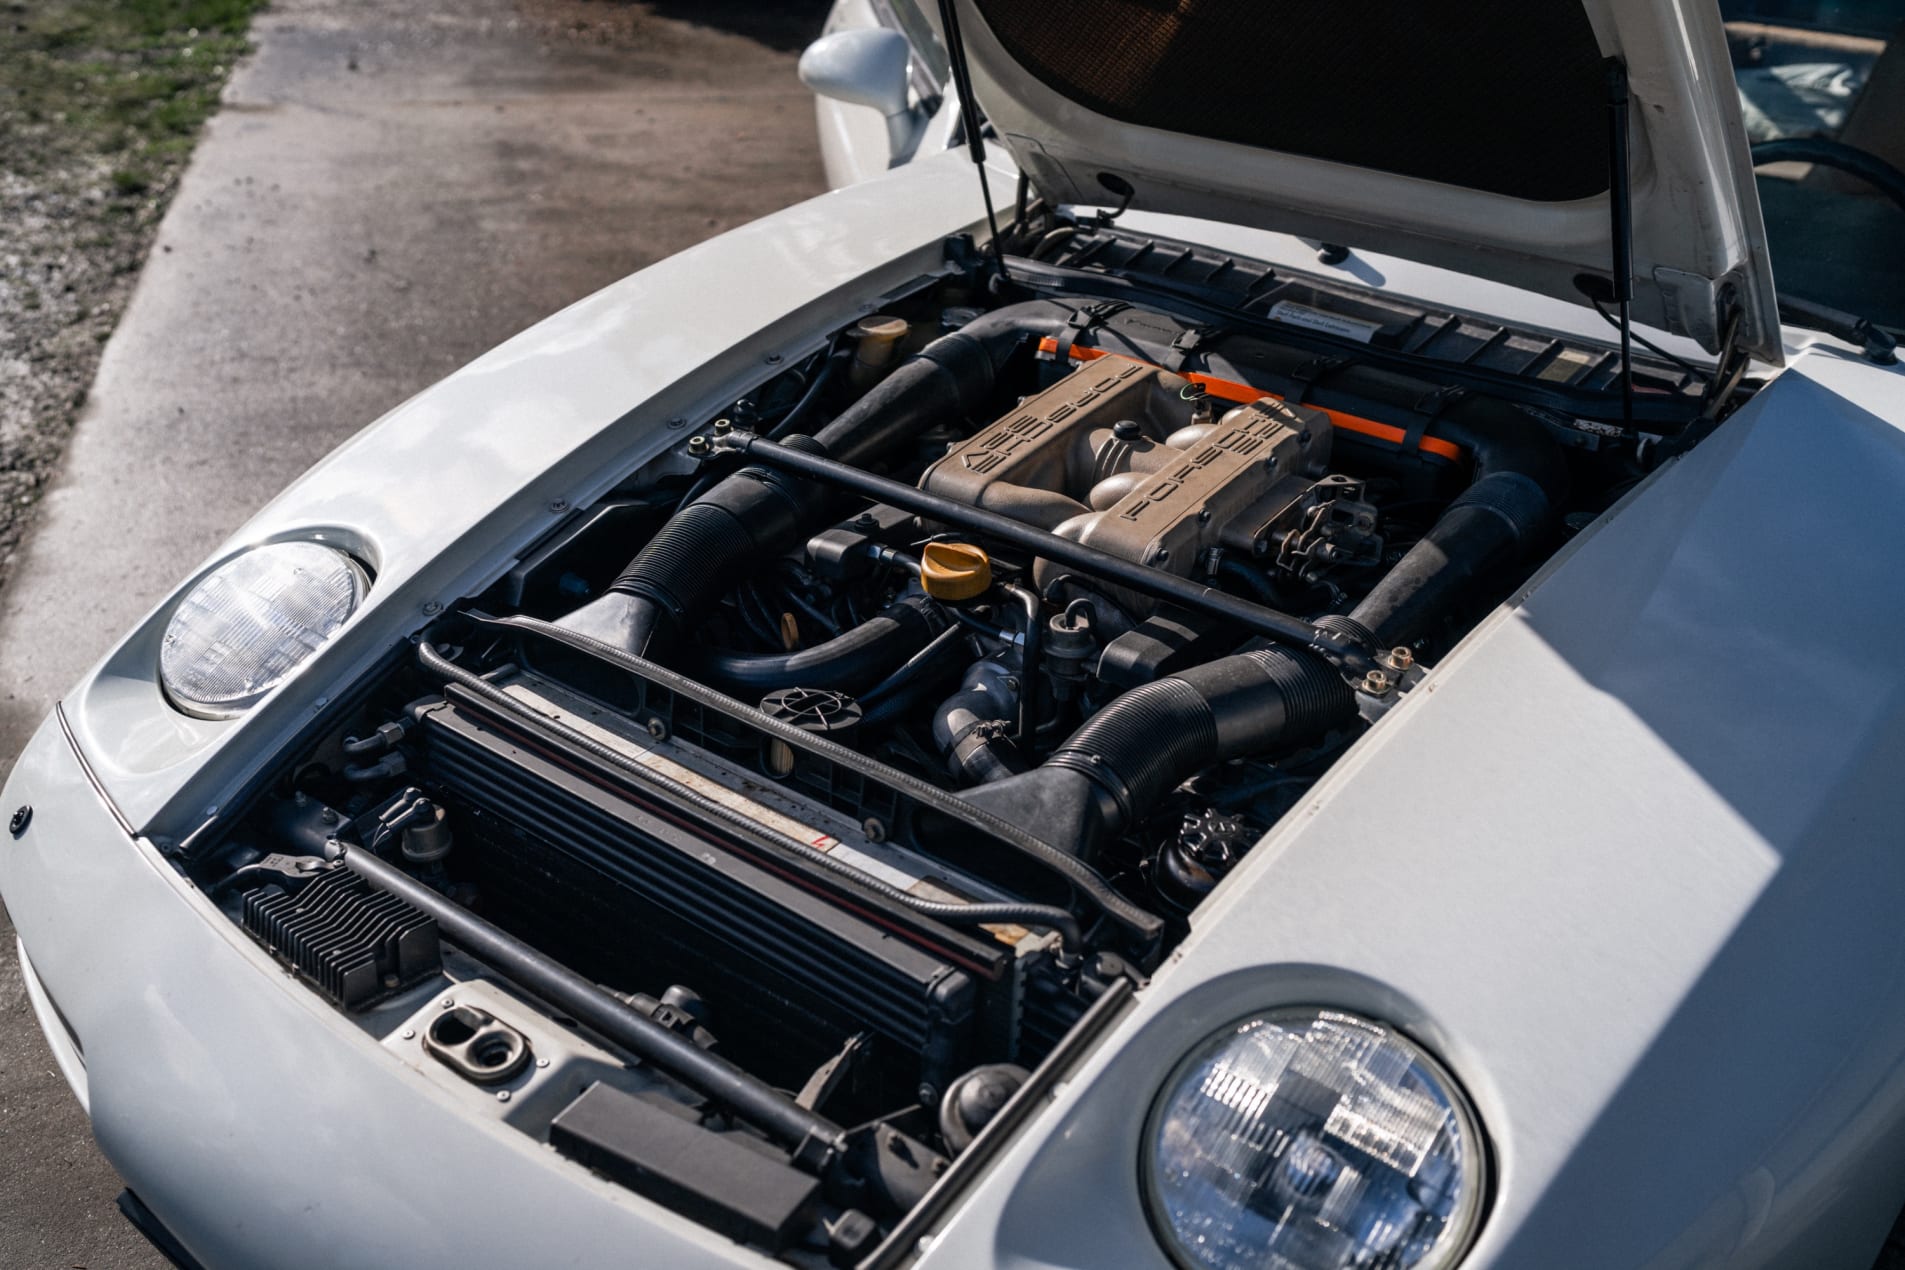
{"points": [[1822, 91]]}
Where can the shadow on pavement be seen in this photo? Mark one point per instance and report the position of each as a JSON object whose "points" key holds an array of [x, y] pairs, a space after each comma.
{"points": [[786, 26]]}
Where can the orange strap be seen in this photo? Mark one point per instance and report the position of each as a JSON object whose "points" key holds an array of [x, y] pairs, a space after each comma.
{"points": [[1231, 390]]}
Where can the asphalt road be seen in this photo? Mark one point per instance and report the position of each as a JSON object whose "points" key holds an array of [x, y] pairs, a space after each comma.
{"points": [[386, 193]]}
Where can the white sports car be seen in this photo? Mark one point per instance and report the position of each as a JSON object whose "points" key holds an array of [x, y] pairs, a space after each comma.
{"points": [[1213, 704]]}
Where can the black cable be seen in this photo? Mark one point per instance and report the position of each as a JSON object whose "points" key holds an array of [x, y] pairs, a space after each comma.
{"points": [[1648, 344], [984, 627], [834, 356], [762, 622], [912, 667], [712, 472], [794, 597]]}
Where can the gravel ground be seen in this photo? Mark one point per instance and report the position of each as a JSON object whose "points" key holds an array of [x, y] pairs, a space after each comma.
{"points": [[391, 189], [100, 103], [66, 271]]}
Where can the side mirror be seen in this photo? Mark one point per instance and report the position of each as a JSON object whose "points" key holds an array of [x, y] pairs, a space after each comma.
{"points": [[868, 67]]}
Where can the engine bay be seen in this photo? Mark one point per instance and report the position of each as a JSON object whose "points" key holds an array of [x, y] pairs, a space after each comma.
{"points": [[872, 740]]}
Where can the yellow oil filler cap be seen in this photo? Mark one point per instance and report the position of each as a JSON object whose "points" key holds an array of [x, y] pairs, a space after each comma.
{"points": [[954, 570]]}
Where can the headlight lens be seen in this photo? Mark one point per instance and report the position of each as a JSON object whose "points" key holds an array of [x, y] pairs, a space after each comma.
{"points": [[1312, 1139], [252, 621]]}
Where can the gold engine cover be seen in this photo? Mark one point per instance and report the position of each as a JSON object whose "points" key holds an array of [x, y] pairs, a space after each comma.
{"points": [[1128, 458]]}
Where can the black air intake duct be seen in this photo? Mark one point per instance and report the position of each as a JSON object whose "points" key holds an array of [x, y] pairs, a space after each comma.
{"points": [[1147, 742], [757, 513]]}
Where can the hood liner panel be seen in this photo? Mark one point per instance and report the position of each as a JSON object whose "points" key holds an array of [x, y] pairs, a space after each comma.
{"points": [[1505, 96]]}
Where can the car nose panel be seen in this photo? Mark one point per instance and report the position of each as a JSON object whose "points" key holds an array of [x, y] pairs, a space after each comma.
{"points": [[261, 1127]]}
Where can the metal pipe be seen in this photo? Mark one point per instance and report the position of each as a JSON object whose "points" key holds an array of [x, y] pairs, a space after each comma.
{"points": [[749, 1098], [1030, 651], [1255, 618]]}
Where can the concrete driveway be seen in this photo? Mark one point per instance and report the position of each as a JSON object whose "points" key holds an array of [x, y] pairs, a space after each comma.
{"points": [[387, 193]]}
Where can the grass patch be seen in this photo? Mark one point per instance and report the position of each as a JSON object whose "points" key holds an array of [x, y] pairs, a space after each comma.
{"points": [[101, 102], [121, 85]]}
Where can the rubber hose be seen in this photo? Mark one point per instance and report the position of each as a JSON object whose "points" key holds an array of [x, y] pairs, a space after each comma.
{"points": [[757, 513], [931, 679], [1495, 521], [849, 662], [969, 726], [1110, 773], [919, 663]]}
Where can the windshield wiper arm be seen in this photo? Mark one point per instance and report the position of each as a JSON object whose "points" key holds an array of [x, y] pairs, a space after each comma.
{"points": [[1874, 340]]}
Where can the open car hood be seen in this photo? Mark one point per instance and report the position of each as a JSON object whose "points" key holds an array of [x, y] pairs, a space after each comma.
{"points": [[1473, 137]]}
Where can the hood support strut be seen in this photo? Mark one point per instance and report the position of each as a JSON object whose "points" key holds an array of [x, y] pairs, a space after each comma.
{"points": [[969, 118], [1620, 203]]}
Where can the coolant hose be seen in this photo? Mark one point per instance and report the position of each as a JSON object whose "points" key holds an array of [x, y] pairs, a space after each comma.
{"points": [[1494, 522], [912, 684], [971, 726], [758, 513], [1519, 483], [852, 661], [1114, 770]]}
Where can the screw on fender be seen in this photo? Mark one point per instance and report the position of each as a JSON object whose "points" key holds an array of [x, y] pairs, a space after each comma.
{"points": [[22, 817]]}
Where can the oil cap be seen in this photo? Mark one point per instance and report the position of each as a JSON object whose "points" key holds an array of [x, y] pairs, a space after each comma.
{"points": [[954, 570]]}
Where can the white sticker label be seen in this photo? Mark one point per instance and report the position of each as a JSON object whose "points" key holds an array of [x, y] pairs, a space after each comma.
{"points": [[1329, 323]]}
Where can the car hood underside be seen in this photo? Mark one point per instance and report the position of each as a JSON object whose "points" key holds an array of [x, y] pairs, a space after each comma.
{"points": [[1476, 138]]}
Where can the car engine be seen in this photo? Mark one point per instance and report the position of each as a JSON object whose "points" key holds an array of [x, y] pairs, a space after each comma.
{"points": [[874, 738]]}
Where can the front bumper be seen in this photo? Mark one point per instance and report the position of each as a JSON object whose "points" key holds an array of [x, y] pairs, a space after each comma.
{"points": [[59, 1034], [260, 1127]]}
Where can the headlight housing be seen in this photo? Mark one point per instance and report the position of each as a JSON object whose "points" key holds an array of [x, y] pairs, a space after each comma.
{"points": [[1311, 1139], [252, 621]]}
